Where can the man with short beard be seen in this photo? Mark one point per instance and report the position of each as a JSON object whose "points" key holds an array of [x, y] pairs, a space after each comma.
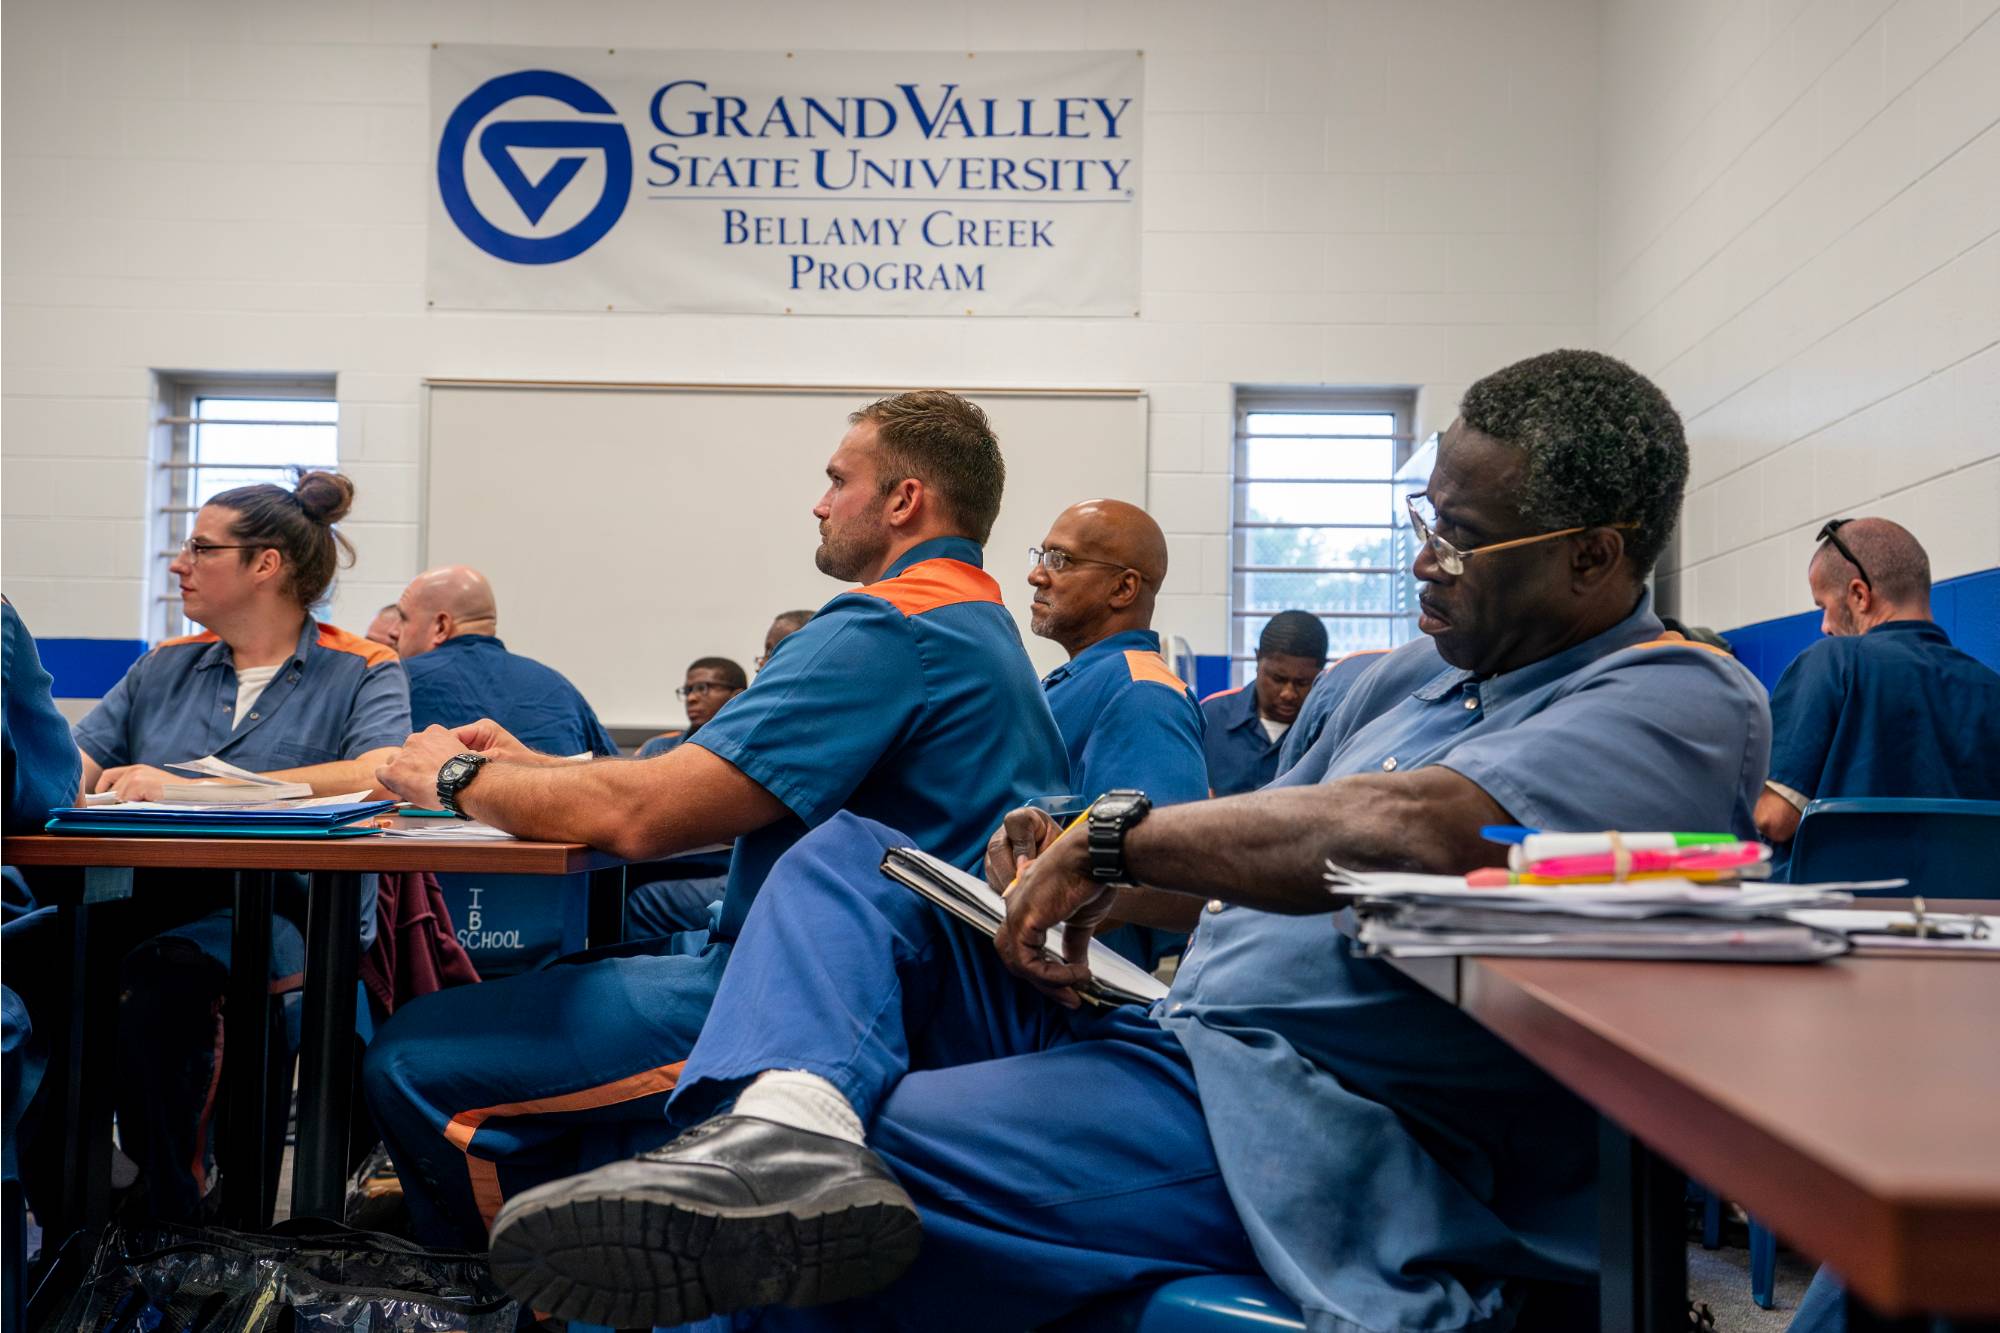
{"points": [[909, 698]]}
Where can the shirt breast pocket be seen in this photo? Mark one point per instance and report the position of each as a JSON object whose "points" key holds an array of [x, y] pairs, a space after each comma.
{"points": [[292, 754]]}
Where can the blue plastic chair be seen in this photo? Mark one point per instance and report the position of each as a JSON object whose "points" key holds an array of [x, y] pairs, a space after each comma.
{"points": [[1946, 849], [1218, 1305], [1247, 1304]]}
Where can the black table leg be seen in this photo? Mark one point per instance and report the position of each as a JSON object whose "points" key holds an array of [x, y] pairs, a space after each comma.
{"points": [[245, 1153], [1643, 1245], [326, 1067], [605, 923], [83, 1036]]}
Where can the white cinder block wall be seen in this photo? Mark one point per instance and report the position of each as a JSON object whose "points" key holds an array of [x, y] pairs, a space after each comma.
{"points": [[1799, 235], [1337, 191]]}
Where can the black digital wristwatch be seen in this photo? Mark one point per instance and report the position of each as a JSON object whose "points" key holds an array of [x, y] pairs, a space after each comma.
{"points": [[1112, 816], [456, 775]]}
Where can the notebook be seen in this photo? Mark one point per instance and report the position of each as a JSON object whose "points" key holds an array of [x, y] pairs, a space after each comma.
{"points": [[1114, 978]]}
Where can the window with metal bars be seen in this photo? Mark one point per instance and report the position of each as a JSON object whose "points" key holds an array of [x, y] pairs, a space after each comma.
{"points": [[1318, 523], [213, 434]]}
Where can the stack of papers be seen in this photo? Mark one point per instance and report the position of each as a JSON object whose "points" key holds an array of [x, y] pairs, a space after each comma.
{"points": [[1114, 979], [1430, 916], [314, 817], [452, 829]]}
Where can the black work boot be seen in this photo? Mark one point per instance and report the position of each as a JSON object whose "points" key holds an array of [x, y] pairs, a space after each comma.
{"points": [[737, 1212]]}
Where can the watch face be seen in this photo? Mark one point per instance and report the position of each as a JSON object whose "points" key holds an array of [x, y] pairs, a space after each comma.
{"points": [[453, 770], [1115, 807]]}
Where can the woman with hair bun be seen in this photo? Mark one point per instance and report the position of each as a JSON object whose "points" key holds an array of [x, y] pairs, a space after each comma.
{"points": [[267, 688]]}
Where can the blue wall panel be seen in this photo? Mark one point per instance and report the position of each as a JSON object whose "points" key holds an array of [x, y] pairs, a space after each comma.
{"points": [[1968, 607], [86, 668]]}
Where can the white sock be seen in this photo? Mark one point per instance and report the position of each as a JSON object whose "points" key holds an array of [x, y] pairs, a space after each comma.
{"points": [[803, 1101]]}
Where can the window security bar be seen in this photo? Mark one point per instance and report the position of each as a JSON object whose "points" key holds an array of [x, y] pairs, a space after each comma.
{"points": [[1245, 436], [243, 421], [1319, 569], [1328, 615]]}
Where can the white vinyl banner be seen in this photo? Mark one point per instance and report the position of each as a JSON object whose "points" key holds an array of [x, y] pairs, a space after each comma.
{"points": [[808, 182]]}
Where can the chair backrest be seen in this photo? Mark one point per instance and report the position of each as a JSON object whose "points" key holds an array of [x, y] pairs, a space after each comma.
{"points": [[1946, 849]]}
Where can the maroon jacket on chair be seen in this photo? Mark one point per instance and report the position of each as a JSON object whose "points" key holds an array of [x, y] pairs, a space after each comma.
{"points": [[415, 951]]}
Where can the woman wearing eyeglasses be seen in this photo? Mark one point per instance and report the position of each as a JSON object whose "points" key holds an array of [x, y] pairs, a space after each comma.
{"points": [[269, 689]]}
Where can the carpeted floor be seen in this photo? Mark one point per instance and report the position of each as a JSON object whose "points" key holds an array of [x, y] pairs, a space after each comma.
{"points": [[1720, 1279]]}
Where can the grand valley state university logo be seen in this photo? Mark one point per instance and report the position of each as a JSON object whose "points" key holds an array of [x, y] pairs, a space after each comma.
{"points": [[497, 147]]}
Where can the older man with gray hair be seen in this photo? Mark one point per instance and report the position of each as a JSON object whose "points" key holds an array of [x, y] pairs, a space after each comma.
{"points": [[460, 671]]}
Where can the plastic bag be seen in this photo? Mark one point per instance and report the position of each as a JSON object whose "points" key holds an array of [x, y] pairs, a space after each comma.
{"points": [[311, 1278]]}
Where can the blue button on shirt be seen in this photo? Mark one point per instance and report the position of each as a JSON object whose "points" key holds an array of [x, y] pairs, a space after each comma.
{"points": [[470, 676], [1128, 721], [910, 701], [1241, 754], [1394, 1163], [338, 697], [1897, 711]]}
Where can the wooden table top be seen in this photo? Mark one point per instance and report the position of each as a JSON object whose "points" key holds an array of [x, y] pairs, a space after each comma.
{"points": [[439, 855], [1853, 1106]]}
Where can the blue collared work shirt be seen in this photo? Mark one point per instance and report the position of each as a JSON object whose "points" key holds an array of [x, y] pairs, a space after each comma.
{"points": [[911, 701], [470, 676], [1326, 694], [338, 697], [1241, 754], [43, 770], [661, 744], [1393, 1162], [1128, 721], [1897, 711]]}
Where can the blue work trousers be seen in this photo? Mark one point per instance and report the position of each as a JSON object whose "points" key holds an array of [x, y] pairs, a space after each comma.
{"points": [[483, 1091], [1055, 1156]]}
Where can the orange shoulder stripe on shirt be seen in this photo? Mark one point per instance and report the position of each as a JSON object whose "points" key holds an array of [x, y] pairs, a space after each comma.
{"points": [[369, 651], [1145, 664], [206, 636], [930, 584], [1677, 641], [1223, 694]]}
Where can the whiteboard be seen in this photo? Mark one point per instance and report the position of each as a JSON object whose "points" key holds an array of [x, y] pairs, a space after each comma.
{"points": [[629, 529]]}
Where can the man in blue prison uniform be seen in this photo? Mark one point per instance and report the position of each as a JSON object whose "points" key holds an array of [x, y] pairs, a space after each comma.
{"points": [[1246, 726], [1327, 692], [460, 671], [909, 698], [42, 773], [1126, 719], [1291, 1103], [688, 888], [1884, 705]]}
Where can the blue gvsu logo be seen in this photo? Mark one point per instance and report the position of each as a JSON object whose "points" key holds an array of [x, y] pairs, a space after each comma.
{"points": [[498, 143]]}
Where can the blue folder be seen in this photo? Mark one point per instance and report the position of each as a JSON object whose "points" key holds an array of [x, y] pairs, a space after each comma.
{"points": [[223, 821]]}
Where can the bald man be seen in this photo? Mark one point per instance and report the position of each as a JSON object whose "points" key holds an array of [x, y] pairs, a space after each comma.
{"points": [[460, 671], [1884, 705], [382, 629], [1126, 719]]}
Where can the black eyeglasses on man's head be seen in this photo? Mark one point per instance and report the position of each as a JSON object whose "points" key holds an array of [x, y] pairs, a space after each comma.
{"points": [[1831, 533]]}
